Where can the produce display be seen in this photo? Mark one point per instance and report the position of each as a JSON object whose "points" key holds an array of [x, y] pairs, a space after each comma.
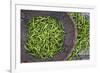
{"points": [[44, 38]]}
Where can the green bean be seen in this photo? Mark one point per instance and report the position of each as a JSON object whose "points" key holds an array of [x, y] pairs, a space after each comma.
{"points": [[82, 33], [45, 37]]}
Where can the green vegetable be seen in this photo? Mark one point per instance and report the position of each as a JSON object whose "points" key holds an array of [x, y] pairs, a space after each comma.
{"points": [[83, 27], [45, 37]]}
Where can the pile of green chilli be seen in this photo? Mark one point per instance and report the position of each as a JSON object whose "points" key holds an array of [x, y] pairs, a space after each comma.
{"points": [[45, 37], [83, 40]]}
